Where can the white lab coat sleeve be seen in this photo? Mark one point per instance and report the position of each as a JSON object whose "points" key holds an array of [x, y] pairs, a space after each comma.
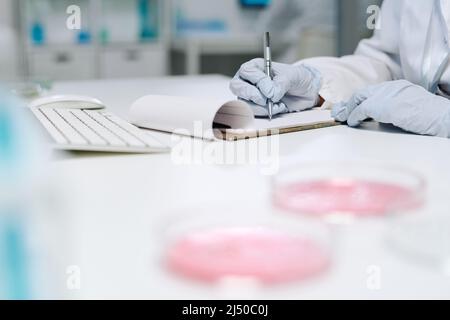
{"points": [[341, 77], [375, 60]]}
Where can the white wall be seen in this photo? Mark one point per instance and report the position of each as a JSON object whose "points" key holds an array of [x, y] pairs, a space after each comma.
{"points": [[9, 63], [5, 12]]}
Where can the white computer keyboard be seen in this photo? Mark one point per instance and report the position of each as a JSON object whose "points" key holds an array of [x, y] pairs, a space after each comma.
{"points": [[95, 130]]}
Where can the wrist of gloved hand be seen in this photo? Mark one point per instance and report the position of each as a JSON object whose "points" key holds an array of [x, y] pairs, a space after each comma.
{"points": [[401, 103]]}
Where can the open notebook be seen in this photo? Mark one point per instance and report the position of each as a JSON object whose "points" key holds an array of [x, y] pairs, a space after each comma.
{"points": [[210, 119]]}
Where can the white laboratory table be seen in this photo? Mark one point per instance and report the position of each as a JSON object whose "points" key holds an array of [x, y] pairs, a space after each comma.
{"points": [[116, 205]]}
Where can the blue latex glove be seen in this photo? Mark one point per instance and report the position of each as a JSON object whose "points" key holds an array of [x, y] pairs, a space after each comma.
{"points": [[401, 103], [293, 88]]}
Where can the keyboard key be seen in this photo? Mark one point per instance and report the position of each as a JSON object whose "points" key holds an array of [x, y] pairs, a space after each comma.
{"points": [[135, 131], [111, 138], [123, 134], [54, 132], [69, 132], [82, 128]]}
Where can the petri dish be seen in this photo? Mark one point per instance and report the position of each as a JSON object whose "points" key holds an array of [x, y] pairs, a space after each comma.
{"points": [[233, 246], [342, 192], [422, 238]]}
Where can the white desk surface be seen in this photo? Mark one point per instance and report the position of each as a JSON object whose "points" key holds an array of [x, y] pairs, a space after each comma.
{"points": [[118, 201]]}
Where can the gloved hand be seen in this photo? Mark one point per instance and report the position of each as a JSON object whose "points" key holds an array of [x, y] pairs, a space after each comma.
{"points": [[401, 103], [293, 88]]}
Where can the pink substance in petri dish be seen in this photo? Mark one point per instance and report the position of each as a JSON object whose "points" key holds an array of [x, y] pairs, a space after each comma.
{"points": [[263, 254], [353, 197]]}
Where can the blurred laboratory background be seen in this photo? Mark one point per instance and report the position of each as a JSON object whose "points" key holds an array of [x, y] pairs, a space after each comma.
{"points": [[145, 38]]}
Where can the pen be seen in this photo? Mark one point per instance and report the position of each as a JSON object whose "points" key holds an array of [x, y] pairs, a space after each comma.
{"points": [[268, 65]]}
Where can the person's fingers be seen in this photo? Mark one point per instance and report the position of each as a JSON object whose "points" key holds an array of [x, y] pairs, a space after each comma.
{"points": [[253, 71], [280, 86], [297, 104], [338, 111], [296, 80], [260, 111], [341, 111], [279, 108], [281, 82], [263, 112], [268, 89], [359, 114], [247, 91]]}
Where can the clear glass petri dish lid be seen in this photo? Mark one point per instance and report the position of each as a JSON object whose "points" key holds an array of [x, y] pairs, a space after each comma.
{"points": [[345, 191]]}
